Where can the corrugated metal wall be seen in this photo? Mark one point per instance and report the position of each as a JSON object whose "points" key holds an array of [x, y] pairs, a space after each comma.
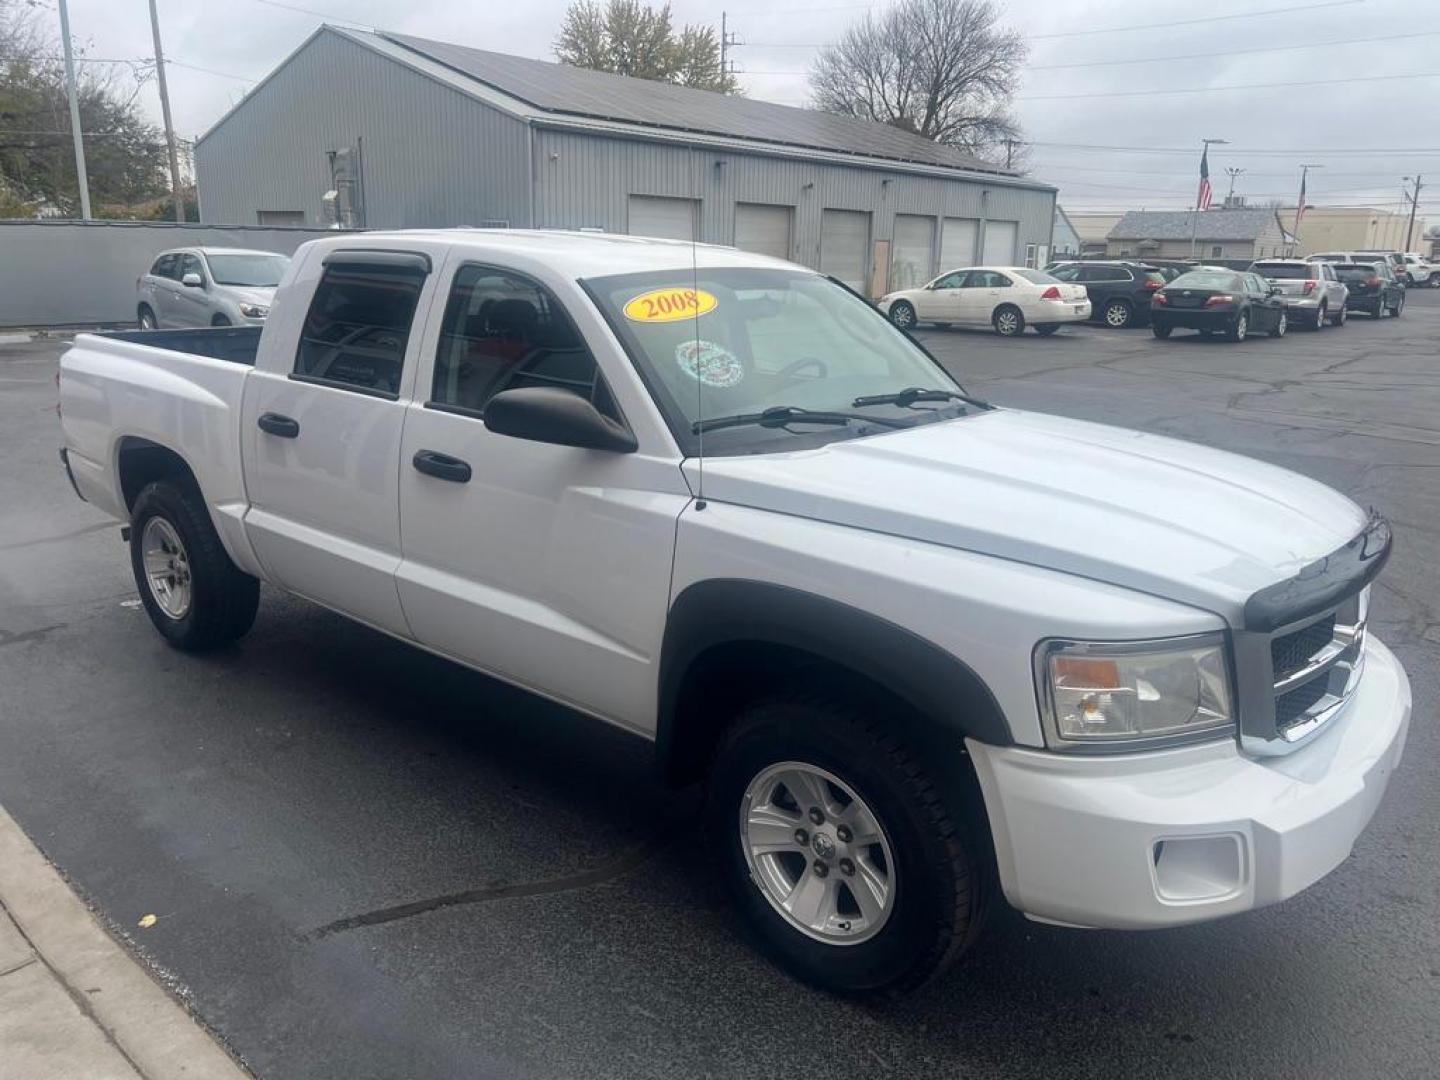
{"points": [[585, 180], [431, 156], [72, 273]]}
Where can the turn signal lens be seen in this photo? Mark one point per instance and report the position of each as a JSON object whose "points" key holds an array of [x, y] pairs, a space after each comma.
{"points": [[1052, 293], [1222, 298]]}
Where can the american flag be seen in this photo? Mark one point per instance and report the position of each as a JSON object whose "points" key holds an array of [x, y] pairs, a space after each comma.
{"points": [[1202, 200], [1300, 206]]}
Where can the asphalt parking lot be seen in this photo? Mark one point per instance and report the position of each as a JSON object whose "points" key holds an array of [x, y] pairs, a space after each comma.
{"points": [[370, 863]]}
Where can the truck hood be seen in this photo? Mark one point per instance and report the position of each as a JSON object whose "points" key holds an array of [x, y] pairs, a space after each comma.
{"points": [[1171, 518]]}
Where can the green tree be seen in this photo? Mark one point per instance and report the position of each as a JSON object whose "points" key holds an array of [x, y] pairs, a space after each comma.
{"points": [[124, 155], [627, 37]]}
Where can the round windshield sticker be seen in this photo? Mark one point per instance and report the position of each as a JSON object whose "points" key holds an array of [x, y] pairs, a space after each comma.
{"points": [[669, 305], [714, 365]]}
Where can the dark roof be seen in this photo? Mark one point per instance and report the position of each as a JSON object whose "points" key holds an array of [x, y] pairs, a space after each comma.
{"points": [[1176, 225], [579, 92]]}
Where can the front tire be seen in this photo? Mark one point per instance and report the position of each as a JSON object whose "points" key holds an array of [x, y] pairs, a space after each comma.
{"points": [[220, 320], [1398, 308], [195, 596], [843, 856], [1008, 321], [1281, 325], [147, 318], [902, 314]]}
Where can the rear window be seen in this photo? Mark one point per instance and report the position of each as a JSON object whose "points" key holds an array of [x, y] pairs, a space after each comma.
{"points": [[1349, 272], [1037, 277], [1154, 277], [1206, 279], [1287, 271]]}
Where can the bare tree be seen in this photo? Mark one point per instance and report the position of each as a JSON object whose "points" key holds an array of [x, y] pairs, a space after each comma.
{"points": [[943, 69], [628, 37]]}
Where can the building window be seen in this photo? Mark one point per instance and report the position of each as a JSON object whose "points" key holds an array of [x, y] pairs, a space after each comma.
{"points": [[1030, 252], [503, 331], [280, 217], [357, 328], [1216, 251]]}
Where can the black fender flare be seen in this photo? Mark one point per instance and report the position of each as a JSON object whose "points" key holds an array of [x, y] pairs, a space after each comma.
{"points": [[939, 687]]}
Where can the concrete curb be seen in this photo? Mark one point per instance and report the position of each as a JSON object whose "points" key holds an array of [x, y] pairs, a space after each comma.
{"points": [[156, 1035]]}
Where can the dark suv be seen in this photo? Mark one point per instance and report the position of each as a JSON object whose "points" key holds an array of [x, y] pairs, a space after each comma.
{"points": [[1374, 288], [1119, 291]]}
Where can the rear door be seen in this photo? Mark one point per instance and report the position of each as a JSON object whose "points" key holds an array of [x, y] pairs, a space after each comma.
{"points": [[322, 429], [544, 564]]}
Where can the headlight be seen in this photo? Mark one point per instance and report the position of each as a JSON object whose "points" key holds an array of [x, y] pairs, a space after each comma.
{"points": [[1129, 695], [254, 311]]}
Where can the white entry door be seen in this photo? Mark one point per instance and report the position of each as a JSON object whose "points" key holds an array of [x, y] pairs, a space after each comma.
{"points": [[957, 243], [765, 230], [1000, 240], [913, 252], [667, 218], [844, 240]]}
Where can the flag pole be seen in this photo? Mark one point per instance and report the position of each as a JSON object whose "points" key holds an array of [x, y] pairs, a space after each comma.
{"points": [[1300, 204], [1199, 191]]}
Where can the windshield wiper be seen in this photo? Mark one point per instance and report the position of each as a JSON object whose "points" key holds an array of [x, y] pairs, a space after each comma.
{"points": [[911, 394], [778, 416]]}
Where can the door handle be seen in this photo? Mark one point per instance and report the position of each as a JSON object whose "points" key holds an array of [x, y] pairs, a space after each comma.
{"points": [[441, 466], [275, 424]]}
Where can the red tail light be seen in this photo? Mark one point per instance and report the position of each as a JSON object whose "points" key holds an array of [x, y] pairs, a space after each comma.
{"points": [[1154, 284], [1222, 298], [1373, 282], [1052, 293], [1309, 287], [1160, 298]]}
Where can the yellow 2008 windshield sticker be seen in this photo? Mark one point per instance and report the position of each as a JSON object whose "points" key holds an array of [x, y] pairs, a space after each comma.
{"points": [[669, 305]]}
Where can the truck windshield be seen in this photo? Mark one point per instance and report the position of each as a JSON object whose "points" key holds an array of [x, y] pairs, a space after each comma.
{"points": [[253, 271], [740, 340]]}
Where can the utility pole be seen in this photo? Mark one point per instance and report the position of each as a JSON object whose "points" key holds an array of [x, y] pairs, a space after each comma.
{"points": [[1195, 215], [1414, 198], [165, 114], [1010, 145], [727, 39], [1232, 172], [80, 175]]}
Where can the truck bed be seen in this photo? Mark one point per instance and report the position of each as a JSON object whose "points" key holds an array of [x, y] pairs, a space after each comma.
{"points": [[237, 344]]}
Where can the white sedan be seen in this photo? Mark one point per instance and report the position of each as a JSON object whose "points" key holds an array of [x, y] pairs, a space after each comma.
{"points": [[1006, 297]]}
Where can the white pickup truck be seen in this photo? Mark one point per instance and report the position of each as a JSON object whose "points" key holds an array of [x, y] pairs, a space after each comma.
{"points": [[921, 648]]}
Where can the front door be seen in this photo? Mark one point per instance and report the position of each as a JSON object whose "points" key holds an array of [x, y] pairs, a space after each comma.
{"points": [[323, 437], [546, 565], [190, 304], [941, 301]]}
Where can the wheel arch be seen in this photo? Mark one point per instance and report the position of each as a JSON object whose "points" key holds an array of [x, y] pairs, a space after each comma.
{"points": [[728, 640], [139, 461]]}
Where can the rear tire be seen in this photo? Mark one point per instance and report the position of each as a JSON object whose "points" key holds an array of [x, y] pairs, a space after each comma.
{"points": [[1380, 310], [1398, 308], [935, 879], [195, 596], [1008, 321], [1161, 332], [1240, 329], [902, 314], [1339, 317], [1118, 314], [1321, 314], [147, 318], [1046, 329]]}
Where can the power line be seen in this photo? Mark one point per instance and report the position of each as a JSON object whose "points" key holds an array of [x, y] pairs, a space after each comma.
{"points": [[344, 20], [1232, 52], [208, 71], [1301, 151], [1195, 22], [1232, 86]]}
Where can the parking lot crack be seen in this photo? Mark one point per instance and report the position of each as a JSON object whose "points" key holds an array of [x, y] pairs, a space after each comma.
{"points": [[608, 871]]}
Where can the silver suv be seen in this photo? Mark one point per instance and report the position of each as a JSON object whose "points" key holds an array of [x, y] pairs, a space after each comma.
{"points": [[1311, 290], [205, 286]]}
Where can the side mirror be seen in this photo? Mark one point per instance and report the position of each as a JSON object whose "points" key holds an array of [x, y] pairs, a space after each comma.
{"points": [[192, 280], [550, 415], [1274, 290]]}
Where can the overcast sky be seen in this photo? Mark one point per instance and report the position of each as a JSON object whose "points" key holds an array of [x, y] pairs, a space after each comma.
{"points": [[1367, 128]]}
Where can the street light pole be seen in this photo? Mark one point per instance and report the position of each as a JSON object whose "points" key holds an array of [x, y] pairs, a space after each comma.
{"points": [[80, 175], [165, 115], [1414, 202], [1195, 214], [1232, 172]]}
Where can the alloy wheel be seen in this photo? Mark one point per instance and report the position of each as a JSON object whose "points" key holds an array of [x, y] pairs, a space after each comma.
{"points": [[1007, 323], [1117, 315], [167, 567], [817, 853], [903, 316], [1242, 327]]}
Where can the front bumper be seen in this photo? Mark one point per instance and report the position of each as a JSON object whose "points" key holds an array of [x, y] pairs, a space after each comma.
{"points": [[1179, 836]]}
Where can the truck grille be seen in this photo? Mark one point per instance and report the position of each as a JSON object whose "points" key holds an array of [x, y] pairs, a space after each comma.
{"points": [[1317, 666]]}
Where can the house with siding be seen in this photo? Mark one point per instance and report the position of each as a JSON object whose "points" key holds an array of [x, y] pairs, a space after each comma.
{"points": [[1219, 233]]}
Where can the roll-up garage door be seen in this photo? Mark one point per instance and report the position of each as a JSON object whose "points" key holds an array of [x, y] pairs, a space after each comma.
{"points": [[913, 251], [844, 239], [653, 215], [762, 229], [957, 243], [1000, 240]]}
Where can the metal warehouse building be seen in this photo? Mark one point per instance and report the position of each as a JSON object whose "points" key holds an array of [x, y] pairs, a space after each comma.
{"points": [[385, 131]]}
